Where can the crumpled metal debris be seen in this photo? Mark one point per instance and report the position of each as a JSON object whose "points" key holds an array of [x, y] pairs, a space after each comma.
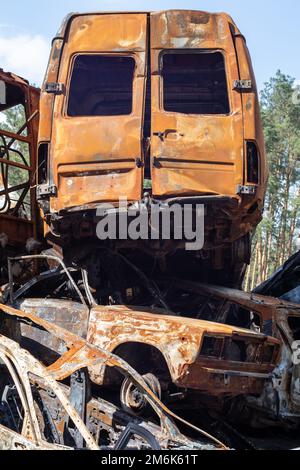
{"points": [[29, 374]]}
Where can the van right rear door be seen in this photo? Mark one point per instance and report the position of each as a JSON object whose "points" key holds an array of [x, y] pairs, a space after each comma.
{"points": [[197, 123]]}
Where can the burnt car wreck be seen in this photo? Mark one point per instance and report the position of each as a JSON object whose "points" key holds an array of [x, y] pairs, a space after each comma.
{"points": [[52, 407], [222, 361]]}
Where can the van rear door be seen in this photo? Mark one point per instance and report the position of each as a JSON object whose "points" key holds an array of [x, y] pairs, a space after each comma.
{"points": [[197, 123], [96, 150]]}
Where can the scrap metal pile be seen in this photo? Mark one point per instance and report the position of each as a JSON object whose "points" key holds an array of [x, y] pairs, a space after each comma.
{"points": [[53, 406], [124, 343], [71, 387]]}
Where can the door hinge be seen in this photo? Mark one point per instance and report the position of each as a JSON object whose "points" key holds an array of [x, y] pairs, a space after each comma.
{"points": [[247, 190], [44, 191], [139, 163], [242, 85], [54, 88], [156, 162]]}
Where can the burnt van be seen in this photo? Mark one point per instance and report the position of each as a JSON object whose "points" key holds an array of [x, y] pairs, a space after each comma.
{"points": [[159, 107]]}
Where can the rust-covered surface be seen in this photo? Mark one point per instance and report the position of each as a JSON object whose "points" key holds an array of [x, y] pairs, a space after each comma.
{"points": [[178, 340], [266, 307], [100, 163], [281, 318], [203, 154], [283, 286], [18, 211], [27, 371], [91, 159], [159, 139]]}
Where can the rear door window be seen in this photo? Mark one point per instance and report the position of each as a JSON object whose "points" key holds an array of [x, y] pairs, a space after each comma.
{"points": [[194, 83], [101, 86]]}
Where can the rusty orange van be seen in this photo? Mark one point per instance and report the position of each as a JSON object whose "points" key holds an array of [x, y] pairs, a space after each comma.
{"points": [[161, 104]]}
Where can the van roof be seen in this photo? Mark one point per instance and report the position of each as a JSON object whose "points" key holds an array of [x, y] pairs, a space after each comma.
{"points": [[62, 30]]}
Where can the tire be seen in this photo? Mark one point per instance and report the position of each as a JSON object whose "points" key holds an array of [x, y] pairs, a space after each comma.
{"points": [[133, 401]]}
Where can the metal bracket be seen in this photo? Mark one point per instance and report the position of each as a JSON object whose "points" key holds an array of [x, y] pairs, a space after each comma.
{"points": [[242, 85], [54, 88], [139, 163], [246, 190], [44, 190], [156, 163]]}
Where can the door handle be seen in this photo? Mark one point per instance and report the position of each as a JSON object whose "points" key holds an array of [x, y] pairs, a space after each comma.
{"points": [[163, 135]]}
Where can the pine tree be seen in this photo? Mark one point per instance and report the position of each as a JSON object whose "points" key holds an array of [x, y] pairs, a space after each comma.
{"points": [[275, 239]]}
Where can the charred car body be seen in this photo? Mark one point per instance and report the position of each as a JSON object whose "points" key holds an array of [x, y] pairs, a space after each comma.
{"points": [[278, 405], [282, 401], [51, 406], [176, 353]]}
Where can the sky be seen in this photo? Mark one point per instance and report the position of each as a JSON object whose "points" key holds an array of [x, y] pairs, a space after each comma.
{"points": [[272, 29]]}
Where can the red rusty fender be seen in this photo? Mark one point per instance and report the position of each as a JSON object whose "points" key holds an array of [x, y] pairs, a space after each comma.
{"points": [[179, 341], [80, 355]]}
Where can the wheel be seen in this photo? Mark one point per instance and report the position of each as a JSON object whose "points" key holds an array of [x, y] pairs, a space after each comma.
{"points": [[132, 400]]}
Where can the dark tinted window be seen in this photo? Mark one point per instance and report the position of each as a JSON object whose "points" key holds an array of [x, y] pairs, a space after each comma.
{"points": [[252, 163], [195, 83], [101, 86]]}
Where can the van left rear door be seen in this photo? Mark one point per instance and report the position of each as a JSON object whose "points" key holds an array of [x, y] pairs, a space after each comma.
{"points": [[96, 146]]}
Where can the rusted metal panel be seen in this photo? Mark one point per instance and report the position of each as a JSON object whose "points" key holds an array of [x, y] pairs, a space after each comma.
{"points": [[179, 340], [17, 230], [199, 155], [47, 100], [265, 306], [79, 355], [171, 155], [17, 226], [94, 158], [253, 130], [203, 155], [69, 315]]}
